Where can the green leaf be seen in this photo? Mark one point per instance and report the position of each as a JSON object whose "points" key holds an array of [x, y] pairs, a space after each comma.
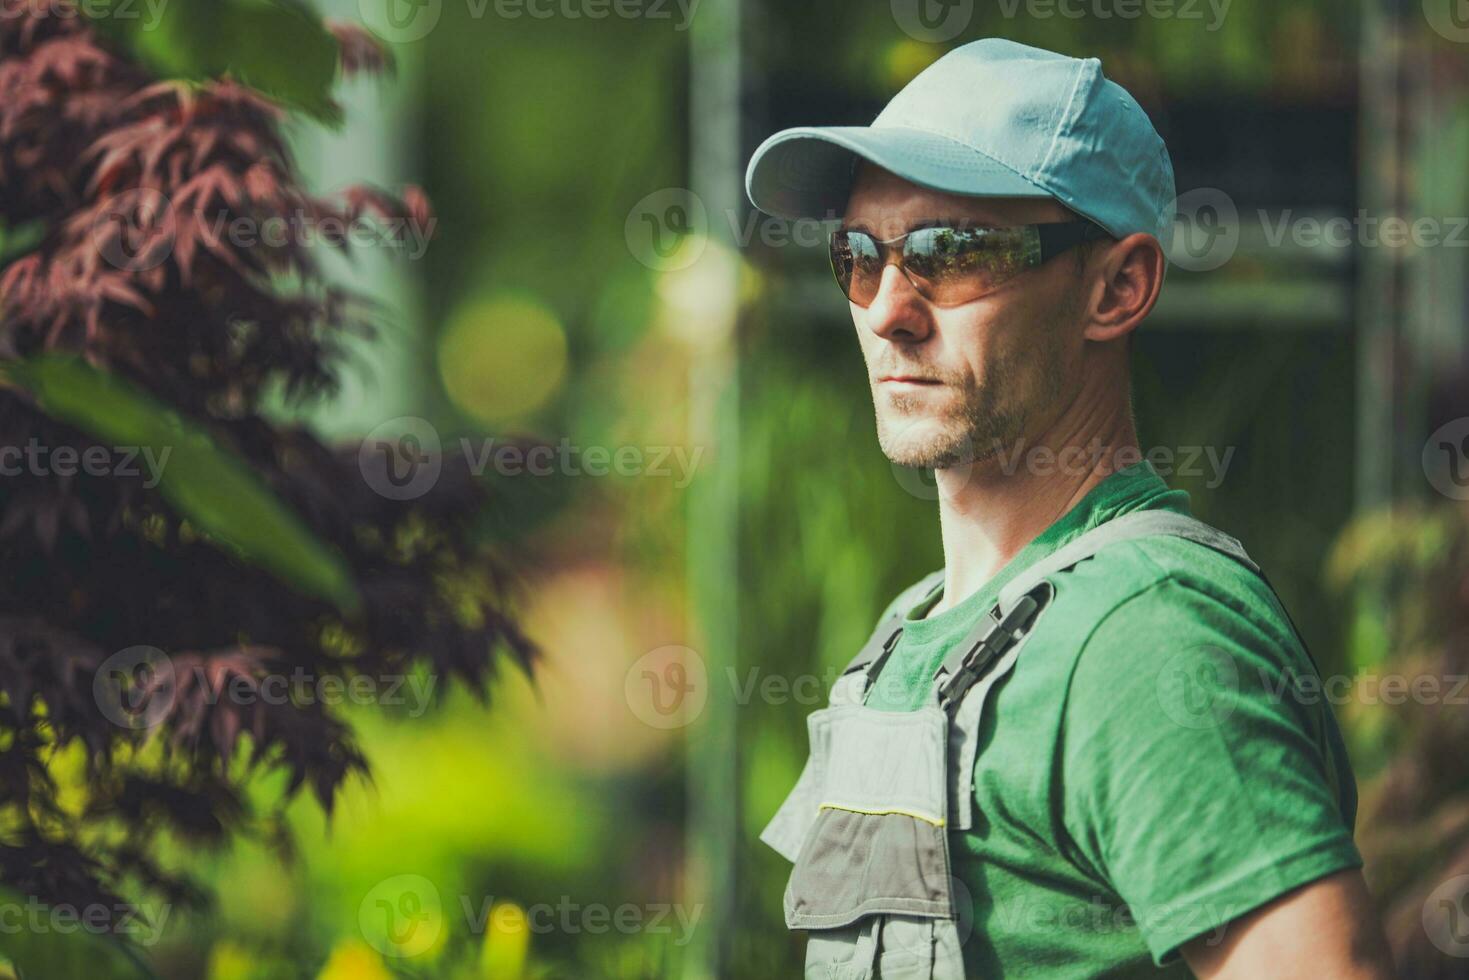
{"points": [[278, 47], [45, 942], [215, 490]]}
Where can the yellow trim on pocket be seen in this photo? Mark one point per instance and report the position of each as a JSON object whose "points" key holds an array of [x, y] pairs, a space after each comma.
{"points": [[884, 812]]}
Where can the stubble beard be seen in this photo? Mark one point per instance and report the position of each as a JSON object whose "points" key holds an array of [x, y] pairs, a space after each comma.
{"points": [[974, 423]]}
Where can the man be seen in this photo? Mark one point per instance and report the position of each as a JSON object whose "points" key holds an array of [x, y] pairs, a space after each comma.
{"points": [[1116, 780]]}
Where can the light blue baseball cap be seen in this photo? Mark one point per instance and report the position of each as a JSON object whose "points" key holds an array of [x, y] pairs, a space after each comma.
{"points": [[989, 119]]}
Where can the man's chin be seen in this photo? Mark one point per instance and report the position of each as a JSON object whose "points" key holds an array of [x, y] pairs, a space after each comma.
{"points": [[930, 444], [925, 445]]}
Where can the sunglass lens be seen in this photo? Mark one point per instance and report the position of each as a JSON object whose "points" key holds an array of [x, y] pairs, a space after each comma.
{"points": [[857, 264], [957, 265]]}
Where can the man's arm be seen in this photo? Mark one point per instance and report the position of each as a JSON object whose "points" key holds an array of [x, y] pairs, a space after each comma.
{"points": [[1327, 928], [1203, 788]]}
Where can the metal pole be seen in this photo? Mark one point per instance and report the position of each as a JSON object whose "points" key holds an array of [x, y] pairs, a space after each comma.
{"points": [[1378, 298], [713, 516]]}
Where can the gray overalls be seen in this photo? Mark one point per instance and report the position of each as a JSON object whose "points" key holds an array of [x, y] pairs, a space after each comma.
{"points": [[867, 824]]}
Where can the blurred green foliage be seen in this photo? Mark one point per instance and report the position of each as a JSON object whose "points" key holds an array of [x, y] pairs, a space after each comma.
{"points": [[218, 493], [279, 47]]}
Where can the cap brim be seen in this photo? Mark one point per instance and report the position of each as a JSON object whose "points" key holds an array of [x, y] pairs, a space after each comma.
{"points": [[806, 172]]}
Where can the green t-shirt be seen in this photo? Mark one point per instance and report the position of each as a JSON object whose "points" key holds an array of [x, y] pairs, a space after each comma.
{"points": [[1146, 773]]}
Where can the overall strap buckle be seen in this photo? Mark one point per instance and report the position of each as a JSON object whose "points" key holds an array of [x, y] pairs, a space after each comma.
{"points": [[1003, 633], [888, 646]]}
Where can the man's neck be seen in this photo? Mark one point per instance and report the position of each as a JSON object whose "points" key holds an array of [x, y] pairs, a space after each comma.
{"points": [[991, 509]]}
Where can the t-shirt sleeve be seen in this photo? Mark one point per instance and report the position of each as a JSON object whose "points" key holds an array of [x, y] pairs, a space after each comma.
{"points": [[1198, 782]]}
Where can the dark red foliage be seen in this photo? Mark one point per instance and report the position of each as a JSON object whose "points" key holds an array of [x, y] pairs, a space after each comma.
{"points": [[126, 183], [361, 50]]}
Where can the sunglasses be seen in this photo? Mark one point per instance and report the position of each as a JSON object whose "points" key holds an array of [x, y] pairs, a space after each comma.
{"points": [[951, 266]]}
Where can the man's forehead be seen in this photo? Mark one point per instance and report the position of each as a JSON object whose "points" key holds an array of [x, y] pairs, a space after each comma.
{"points": [[882, 201]]}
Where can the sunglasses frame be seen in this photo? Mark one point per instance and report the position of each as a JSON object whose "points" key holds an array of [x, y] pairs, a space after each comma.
{"points": [[1041, 243]]}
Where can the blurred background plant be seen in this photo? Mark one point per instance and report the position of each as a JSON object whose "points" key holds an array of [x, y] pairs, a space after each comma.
{"points": [[131, 319], [496, 838]]}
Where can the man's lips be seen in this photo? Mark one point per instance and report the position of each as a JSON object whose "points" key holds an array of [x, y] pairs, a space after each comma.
{"points": [[907, 379]]}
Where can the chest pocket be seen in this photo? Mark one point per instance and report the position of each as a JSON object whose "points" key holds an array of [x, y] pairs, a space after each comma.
{"points": [[872, 880]]}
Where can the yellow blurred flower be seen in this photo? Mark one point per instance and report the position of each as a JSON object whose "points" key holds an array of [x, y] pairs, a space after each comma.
{"points": [[228, 960], [507, 941], [353, 959]]}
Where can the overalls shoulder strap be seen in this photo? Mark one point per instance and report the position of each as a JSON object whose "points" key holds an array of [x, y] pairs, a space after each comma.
{"points": [[963, 682], [851, 685], [1139, 524]]}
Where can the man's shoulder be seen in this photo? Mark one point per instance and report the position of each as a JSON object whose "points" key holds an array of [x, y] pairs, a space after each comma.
{"points": [[1139, 582], [1190, 631], [1148, 596], [1130, 577]]}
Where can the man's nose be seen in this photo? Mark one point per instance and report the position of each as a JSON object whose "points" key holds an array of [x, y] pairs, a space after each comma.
{"points": [[898, 312]]}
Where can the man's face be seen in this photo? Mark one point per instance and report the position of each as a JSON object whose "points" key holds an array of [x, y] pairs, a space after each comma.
{"points": [[955, 384]]}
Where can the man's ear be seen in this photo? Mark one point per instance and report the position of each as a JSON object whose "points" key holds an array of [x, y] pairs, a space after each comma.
{"points": [[1131, 278]]}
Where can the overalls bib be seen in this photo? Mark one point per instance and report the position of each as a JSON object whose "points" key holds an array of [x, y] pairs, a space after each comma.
{"points": [[867, 824]]}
